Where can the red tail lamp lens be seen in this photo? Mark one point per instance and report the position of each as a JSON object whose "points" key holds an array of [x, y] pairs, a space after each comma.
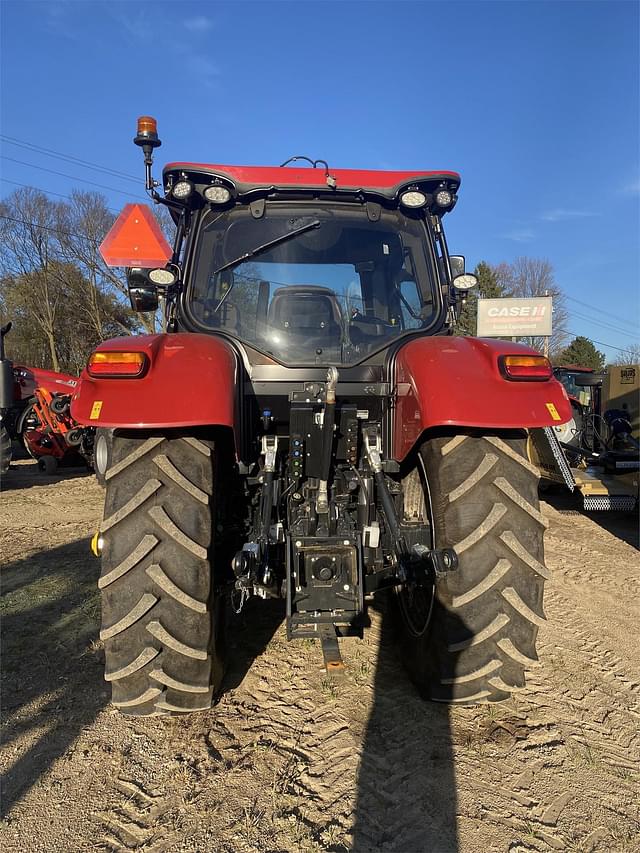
{"points": [[115, 364], [147, 124], [525, 367]]}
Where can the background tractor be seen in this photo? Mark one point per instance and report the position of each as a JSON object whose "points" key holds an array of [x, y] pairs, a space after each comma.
{"points": [[327, 438]]}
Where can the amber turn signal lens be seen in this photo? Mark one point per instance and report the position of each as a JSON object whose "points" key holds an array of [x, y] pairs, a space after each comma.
{"points": [[525, 367], [114, 364], [147, 124]]}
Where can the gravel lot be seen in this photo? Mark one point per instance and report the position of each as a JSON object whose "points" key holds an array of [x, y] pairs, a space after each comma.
{"points": [[292, 761]]}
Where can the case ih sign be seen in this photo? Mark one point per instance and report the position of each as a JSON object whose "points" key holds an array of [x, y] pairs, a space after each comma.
{"points": [[506, 318]]}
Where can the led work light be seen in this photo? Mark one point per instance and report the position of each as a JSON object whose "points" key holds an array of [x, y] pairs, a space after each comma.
{"points": [[162, 276], [217, 194], [182, 189], [443, 198], [413, 198]]}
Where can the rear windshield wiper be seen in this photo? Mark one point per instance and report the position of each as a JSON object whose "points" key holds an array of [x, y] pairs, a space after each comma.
{"points": [[253, 252]]}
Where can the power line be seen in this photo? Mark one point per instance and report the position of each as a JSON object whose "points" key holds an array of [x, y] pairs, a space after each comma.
{"points": [[69, 158], [42, 190], [47, 228], [604, 324], [71, 177], [595, 308], [601, 343]]}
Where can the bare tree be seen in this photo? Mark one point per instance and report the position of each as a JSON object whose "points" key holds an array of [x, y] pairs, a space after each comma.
{"points": [[532, 277], [30, 249], [52, 280], [631, 355]]}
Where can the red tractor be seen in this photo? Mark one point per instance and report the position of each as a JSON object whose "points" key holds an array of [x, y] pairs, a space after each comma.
{"points": [[307, 427]]}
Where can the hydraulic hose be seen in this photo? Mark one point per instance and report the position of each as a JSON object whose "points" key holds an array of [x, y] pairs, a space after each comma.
{"points": [[390, 512]]}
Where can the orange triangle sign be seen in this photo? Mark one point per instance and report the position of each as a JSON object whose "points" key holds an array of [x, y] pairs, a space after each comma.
{"points": [[135, 240]]}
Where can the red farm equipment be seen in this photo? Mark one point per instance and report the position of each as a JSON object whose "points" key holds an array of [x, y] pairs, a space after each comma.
{"points": [[307, 427], [35, 411]]}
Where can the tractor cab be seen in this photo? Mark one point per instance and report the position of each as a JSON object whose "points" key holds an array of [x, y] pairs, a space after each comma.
{"points": [[307, 273]]}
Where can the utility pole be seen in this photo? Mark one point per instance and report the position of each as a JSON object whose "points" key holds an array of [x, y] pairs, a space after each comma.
{"points": [[546, 338]]}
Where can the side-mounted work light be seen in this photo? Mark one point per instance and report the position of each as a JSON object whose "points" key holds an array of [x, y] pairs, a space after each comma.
{"points": [[182, 189], [162, 276]]}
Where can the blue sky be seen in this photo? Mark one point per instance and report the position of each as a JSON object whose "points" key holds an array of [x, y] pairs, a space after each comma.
{"points": [[535, 103]]}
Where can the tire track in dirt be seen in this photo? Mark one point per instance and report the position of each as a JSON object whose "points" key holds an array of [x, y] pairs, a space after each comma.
{"points": [[134, 822], [567, 770], [290, 761]]}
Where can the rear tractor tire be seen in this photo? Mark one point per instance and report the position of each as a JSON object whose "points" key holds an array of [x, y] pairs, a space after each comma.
{"points": [[161, 620], [5, 449], [481, 635]]}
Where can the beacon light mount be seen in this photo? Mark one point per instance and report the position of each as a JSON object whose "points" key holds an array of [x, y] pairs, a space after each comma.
{"points": [[147, 138]]}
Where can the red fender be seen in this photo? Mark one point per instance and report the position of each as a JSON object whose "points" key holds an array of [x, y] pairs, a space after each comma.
{"points": [[451, 381], [190, 381]]}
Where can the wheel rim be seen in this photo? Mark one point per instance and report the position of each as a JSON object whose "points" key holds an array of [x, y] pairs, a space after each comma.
{"points": [[416, 602], [101, 455]]}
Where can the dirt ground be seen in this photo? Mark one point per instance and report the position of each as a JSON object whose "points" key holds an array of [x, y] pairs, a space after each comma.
{"points": [[292, 761]]}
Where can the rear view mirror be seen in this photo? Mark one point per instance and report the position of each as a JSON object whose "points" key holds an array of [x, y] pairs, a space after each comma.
{"points": [[143, 293], [457, 265]]}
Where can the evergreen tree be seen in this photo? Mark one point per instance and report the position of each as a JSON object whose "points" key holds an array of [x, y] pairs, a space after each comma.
{"points": [[488, 288], [582, 353]]}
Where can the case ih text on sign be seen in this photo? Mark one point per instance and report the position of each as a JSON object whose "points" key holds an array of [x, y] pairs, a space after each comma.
{"points": [[506, 318]]}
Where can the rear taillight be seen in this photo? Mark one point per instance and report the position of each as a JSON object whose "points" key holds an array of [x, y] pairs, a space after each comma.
{"points": [[116, 364], [525, 367]]}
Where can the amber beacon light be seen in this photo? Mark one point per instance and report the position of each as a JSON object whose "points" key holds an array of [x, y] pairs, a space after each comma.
{"points": [[147, 132], [525, 367], [117, 364]]}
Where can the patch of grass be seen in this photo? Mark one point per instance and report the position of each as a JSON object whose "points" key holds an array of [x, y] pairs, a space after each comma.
{"points": [[623, 838], [492, 710], [582, 754], [328, 687], [252, 820], [362, 672], [332, 835]]}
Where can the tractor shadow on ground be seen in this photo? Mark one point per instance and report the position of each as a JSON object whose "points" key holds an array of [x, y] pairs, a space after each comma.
{"points": [[51, 665], [249, 634], [406, 796], [26, 474]]}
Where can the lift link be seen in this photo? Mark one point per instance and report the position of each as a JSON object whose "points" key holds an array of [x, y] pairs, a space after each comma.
{"points": [[421, 564]]}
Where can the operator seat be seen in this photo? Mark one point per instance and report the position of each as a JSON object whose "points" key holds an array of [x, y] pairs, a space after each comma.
{"points": [[306, 313]]}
